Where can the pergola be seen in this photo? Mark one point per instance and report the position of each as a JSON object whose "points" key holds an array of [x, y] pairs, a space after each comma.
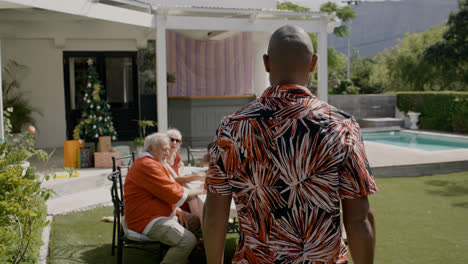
{"points": [[162, 18]]}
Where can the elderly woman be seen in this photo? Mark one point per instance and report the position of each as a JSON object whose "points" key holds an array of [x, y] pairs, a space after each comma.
{"points": [[175, 166], [174, 159], [175, 162]]}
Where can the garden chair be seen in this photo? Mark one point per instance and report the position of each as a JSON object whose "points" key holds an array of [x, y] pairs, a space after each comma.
{"points": [[123, 237]]}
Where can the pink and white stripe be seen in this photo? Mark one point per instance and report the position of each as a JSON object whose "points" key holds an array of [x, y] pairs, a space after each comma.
{"points": [[210, 68]]}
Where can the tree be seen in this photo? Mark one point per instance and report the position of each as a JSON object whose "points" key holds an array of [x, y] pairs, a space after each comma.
{"points": [[96, 118], [450, 55], [336, 60]]}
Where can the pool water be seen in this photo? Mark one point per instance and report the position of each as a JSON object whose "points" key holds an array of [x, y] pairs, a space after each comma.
{"points": [[416, 140]]}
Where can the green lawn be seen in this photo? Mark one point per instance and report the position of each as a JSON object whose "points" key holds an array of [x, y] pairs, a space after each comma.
{"points": [[419, 220], [422, 219]]}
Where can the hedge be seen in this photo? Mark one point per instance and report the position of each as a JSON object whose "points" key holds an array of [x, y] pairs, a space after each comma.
{"points": [[22, 202], [442, 111]]}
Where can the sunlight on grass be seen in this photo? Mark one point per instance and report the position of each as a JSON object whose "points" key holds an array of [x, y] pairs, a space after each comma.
{"points": [[422, 219]]}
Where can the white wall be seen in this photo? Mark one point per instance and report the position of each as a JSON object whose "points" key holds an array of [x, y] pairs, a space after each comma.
{"points": [[270, 4], [43, 86]]}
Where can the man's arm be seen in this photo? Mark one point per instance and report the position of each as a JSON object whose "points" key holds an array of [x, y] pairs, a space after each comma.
{"points": [[359, 222], [184, 179], [215, 218]]}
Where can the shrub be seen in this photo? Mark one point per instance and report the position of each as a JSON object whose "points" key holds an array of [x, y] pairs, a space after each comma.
{"points": [[22, 202], [344, 87], [443, 111]]}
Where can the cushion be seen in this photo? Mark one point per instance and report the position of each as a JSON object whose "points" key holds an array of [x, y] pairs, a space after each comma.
{"points": [[132, 235]]}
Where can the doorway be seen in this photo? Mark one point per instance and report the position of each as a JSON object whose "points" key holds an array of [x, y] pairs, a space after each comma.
{"points": [[118, 74]]}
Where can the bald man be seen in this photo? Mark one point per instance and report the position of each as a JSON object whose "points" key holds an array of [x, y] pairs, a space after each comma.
{"points": [[289, 159]]}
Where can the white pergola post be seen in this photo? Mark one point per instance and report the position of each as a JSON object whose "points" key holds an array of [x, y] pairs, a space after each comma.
{"points": [[161, 93], [322, 76], [2, 133]]}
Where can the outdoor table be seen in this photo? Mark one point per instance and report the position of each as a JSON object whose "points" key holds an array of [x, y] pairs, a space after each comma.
{"points": [[197, 184]]}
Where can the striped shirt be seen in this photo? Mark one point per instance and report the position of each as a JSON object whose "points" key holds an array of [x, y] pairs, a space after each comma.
{"points": [[288, 159]]}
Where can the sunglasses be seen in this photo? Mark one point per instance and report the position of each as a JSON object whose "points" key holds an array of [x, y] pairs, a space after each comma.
{"points": [[175, 139]]}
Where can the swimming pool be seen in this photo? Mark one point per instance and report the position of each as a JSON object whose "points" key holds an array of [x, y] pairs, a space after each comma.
{"points": [[414, 140]]}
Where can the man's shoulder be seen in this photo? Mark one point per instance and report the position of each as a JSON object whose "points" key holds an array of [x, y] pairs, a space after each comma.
{"points": [[145, 163]]}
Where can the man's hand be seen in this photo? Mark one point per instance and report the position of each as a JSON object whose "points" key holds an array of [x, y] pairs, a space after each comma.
{"points": [[360, 228], [183, 217], [215, 218]]}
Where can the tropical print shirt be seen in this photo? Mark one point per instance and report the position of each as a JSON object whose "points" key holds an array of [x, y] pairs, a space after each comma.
{"points": [[288, 159]]}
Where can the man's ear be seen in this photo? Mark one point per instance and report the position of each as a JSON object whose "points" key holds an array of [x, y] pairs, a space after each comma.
{"points": [[313, 62], [266, 62]]}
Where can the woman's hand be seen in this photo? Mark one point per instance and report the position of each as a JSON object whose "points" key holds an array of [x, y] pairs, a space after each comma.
{"points": [[183, 217]]}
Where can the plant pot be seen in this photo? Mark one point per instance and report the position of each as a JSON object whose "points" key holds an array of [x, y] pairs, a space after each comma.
{"points": [[138, 151], [414, 119]]}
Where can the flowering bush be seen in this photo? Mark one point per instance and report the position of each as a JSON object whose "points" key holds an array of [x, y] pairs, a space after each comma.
{"points": [[22, 201]]}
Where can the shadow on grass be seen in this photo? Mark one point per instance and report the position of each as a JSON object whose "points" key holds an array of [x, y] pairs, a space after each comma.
{"points": [[462, 205], [101, 254], [448, 188]]}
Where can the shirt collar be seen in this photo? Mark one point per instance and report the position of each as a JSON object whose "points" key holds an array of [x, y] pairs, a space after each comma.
{"points": [[287, 91], [145, 153]]}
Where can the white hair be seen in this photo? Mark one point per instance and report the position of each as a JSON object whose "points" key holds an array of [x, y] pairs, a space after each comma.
{"points": [[174, 132], [154, 139]]}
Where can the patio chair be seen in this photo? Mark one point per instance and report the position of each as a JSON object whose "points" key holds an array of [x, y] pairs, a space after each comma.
{"points": [[119, 163], [191, 159], [123, 237]]}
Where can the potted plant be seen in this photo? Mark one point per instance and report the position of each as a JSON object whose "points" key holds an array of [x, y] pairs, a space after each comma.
{"points": [[414, 119], [139, 142]]}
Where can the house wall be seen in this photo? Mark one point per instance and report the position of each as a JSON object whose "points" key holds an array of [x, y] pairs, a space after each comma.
{"points": [[41, 85]]}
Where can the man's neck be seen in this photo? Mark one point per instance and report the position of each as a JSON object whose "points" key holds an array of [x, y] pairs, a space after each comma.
{"points": [[287, 81]]}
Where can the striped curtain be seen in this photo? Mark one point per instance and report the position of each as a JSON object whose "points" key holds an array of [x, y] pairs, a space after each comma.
{"points": [[210, 68]]}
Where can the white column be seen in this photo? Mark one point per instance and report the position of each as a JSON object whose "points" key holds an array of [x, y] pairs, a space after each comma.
{"points": [[161, 71], [322, 77], [2, 134], [260, 76]]}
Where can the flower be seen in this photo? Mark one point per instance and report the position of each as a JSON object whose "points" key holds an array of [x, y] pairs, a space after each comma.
{"points": [[10, 109], [32, 129]]}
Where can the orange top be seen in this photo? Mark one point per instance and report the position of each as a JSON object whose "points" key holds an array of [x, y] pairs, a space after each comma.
{"points": [[149, 193]]}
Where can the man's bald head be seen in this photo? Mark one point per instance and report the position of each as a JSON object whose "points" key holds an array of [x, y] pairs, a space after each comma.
{"points": [[291, 57], [290, 47]]}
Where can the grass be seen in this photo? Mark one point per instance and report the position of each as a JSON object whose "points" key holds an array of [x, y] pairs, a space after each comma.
{"points": [[419, 220], [422, 219], [82, 237]]}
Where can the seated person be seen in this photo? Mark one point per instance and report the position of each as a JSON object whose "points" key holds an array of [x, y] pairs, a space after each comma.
{"points": [[152, 199], [175, 162], [174, 159]]}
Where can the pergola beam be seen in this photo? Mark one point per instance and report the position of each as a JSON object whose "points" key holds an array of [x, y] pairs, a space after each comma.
{"points": [[91, 9], [236, 24]]}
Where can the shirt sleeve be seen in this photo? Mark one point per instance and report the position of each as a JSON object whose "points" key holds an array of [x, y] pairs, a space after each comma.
{"points": [[156, 180], [217, 180], [355, 176]]}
